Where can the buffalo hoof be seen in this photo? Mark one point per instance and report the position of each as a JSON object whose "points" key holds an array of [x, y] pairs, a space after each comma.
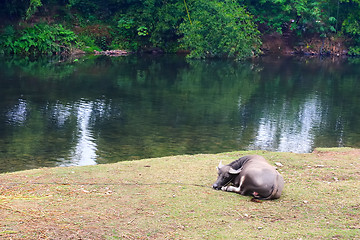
{"points": [[256, 200]]}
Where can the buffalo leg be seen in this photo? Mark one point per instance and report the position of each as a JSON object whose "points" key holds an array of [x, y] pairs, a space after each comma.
{"points": [[235, 189], [231, 189]]}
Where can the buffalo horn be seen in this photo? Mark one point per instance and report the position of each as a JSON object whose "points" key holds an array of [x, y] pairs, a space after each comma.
{"points": [[233, 171]]}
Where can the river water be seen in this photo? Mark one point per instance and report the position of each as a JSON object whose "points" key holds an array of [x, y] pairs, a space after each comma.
{"points": [[100, 109]]}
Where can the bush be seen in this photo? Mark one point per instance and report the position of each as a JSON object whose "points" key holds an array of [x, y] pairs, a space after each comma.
{"points": [[219, 29], [354, 51], [95, 35], [37, 40], [351, 29]]}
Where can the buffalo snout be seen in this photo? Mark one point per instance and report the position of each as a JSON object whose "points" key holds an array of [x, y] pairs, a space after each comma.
{"points": [[216, 186]]}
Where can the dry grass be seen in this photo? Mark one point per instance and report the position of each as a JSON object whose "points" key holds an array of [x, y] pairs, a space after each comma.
{"points": [[171, 198]]}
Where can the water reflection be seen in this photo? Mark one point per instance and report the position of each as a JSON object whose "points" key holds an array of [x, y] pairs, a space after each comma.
{"points": [[103, 110], [289, 130], [87, 114], [84, 152], [18, 113], [61, 114]]}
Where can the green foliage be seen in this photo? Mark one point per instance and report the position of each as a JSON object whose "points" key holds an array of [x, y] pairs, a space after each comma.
{"points": [[7, 39], [126, 27], [100, 9], [354, 51], [142, 31], [37, 40], [34, 4], [270, 13], [130, 35], [166, 21], [95, 36], [150, 23], [219, 29], [19, 9], [87, 8], [143, 24], [351, 27], [302, 16], [126, 24]]}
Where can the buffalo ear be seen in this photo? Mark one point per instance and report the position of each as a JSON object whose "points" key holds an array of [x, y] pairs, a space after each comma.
{"points": [[233, 171]]}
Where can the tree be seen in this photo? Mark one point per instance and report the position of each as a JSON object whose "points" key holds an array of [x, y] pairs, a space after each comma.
{"points": [[219, 29], [351, 25], [302, 16]]}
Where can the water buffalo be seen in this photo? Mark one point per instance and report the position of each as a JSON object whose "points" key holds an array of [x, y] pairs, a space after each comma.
{"points": [[250, 175]]}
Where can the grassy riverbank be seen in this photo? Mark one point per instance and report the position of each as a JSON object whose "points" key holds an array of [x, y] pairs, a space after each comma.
{"points": [[171, 198]]}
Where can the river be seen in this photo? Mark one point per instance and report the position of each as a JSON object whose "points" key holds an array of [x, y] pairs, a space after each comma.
{"points": [[98, 109]]}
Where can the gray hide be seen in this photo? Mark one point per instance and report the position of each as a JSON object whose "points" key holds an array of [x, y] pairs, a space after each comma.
{"points": [[250, 175]]}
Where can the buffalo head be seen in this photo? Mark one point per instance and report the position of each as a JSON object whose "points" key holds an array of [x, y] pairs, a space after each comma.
{"points": [[225, 175]]}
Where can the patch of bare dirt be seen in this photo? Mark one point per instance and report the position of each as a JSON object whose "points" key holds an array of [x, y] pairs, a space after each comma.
{"points": [[276, 43], [325, 46], [349, 153], [288, 44]]}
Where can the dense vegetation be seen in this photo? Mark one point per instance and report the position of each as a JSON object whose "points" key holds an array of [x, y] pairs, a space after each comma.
{"points": [[213, 28]]}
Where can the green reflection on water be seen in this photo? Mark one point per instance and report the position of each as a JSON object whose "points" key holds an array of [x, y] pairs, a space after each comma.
{"points": [[100, 109]]}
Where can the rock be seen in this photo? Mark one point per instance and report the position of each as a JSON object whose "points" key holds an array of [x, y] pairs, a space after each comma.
{"points": [[114, 53], [76, 52]]}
